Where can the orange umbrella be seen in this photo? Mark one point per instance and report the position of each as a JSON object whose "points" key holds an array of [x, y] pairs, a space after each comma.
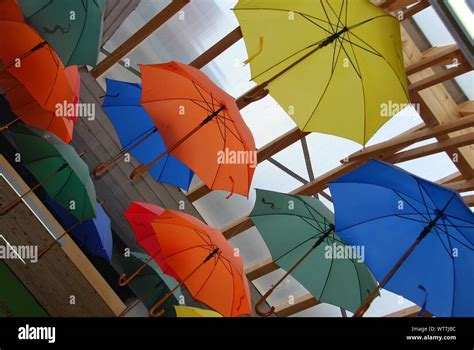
{"points": [[204, 261], [34, 65], [26, 108], [200, 124]]}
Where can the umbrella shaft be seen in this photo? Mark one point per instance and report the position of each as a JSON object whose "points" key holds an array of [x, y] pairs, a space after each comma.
{"points": [[6, 126], [363, 308], [26, 54]]}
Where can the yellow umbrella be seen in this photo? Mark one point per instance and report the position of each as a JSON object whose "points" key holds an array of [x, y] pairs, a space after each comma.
{"points": [[187, 311], [335, 66]]}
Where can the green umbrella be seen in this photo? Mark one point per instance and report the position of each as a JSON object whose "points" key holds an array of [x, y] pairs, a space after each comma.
{"points": [[299, 233], [57, 168], [72, 27], [151, 284]]}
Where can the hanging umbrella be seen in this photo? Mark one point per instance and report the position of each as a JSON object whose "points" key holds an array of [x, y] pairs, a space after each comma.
{"points": [[299, 234], [58, 169], [204, 261], [200, 124], [151, 285], [140, 216], [32, 62], [139, 136], [27, 109], [73, 28], [188, 311], [418, 236], [95, 234], [335, 66]]}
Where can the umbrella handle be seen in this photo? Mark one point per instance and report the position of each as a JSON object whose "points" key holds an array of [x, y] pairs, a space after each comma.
{"points": [[260, 303], [138, 171], [153, 311], [7, 125], [101, 168]]}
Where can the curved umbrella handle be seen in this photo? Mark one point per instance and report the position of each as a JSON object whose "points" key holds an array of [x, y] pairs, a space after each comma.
{"points": [[260, 303], [138, 171], [153, 311], [100, 169], [124, 279]]}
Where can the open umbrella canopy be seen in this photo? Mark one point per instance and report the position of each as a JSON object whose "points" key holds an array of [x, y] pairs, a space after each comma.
{"points": [[72, 27], [204, 261], [32, 62], [387, 210], [290, 226], [152, 284], [312, 55], [200, 124], [95, 234], [139, 135], [26, 108], [57, 166], [140, 216], [188, 311]]}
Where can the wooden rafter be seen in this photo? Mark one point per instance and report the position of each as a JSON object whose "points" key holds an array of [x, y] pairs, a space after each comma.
{"points": [[138, 37]]}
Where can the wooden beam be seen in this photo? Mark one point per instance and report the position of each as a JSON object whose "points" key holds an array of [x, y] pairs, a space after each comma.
{"points": [[261, 269], [408, 312], [399, 142], [140, 35], [392, 5], [418, 7], [437, 78], [469, 200], [466, 108], [218, 48], [462, 186], [302, 303], [457, 176], [423, 151], [436, 56]]}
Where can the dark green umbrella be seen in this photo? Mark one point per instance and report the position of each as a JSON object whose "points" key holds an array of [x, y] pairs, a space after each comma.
{"points": [[151, 284], [72, 27], [299, 232], [58, 169]]}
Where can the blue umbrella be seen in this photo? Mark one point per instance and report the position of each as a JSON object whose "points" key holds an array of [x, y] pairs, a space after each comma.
{"points": [[95, 235], [139, 136], [418, 236]]}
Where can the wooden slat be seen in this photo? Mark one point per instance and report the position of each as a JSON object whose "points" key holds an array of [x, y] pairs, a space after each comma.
{"points": [[462, 186], [256, 272], [392, 5], [398, 142], [423, 151], [140, 35], [223, 44], [408, 312], [61, 273], [440, 77], [435, 56], [466, 108], [301, 303]]}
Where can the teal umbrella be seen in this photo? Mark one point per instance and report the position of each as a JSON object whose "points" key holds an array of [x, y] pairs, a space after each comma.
{"points": [[299, 233], [151, 284], [58, 168], [72, 27]]}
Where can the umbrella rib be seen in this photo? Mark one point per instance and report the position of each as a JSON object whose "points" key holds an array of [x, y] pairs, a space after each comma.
{"points": [[297, 246], [411, 205], [327, 279], [216, 261], [311, 21], [283, 10], [340, 13], [382, 57], [287, 58], [201, 246], [202, 96], [179, 99], [457, 218], [370, 20], [64, 183], [327, 17], [257, 215], [323, 94], [56, 73], [454, 276], [462, 234], [423, 198]]}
